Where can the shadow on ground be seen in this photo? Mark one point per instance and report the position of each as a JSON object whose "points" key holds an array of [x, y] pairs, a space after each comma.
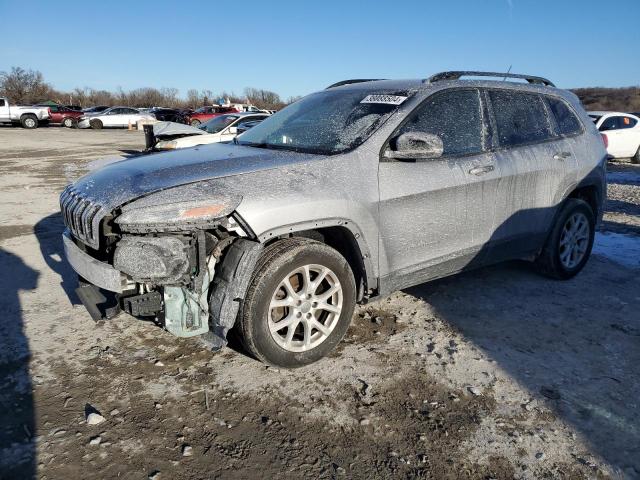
{"points": [[18, 432], [575, 349], [48, 231]]}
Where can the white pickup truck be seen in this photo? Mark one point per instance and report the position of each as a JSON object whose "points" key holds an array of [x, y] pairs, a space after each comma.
{"points": [[28, 117]]}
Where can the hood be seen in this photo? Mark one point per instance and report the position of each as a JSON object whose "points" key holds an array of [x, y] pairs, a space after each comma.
{"points": [[122, 182], [171, 129]]}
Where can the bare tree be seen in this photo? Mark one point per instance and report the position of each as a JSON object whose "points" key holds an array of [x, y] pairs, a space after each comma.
{"points": [[28, 86], [24, 86], [263, 98], [193, 98]]}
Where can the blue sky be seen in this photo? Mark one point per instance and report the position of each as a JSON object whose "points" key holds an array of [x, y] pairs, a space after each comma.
{"points": [[295, 47]]}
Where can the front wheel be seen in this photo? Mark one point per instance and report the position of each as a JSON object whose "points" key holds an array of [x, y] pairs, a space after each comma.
{"points": [[95, 124], [636, 158], [570, 242], [68, 122], [299, 303], [195, 123]]}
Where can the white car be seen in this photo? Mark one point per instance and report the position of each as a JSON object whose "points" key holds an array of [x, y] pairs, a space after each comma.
{"points": [[113, 117], [621, 132], [223, 128]]}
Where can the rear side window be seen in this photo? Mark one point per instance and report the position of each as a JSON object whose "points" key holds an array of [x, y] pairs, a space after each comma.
{"points": [[454, 116], [520, 118], [568, 123], [1, 102], [628, 122]]}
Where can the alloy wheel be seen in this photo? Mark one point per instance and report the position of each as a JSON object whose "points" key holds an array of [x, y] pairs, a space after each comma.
{"points": [[574, 240], [305, 308]]}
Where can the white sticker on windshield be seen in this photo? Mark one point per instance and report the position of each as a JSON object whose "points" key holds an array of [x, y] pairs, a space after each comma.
{"points": [[386, 99]]}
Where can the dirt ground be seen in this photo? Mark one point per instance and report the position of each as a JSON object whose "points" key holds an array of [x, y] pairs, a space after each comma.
{"points": [[497, 373]]}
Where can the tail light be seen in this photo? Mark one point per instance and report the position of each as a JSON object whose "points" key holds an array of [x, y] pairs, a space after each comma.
{"points": [[605, 140]]}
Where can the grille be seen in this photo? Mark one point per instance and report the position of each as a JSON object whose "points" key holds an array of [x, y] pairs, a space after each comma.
{"points": [[82, 216]]}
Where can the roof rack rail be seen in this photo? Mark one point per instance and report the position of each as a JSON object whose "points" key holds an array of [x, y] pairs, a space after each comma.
{"points": [[455, 75], [355, 80]]}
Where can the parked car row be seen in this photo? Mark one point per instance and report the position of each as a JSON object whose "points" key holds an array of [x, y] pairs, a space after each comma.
{"points": [[101, 116], [222, 128], [621, 133]]}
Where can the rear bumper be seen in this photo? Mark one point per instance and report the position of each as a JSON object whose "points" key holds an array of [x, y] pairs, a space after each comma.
{"points": [[93, 271]]}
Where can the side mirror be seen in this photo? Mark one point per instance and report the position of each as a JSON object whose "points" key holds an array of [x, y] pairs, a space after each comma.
{"points": [[415, 146], [233, 130]]}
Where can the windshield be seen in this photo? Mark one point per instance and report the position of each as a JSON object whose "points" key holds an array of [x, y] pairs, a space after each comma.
{"points": [[327, 122], [217, 124]]}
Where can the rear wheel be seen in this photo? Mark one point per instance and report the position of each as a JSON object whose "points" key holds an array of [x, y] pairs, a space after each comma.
{"points": [[95, 124], [299, 303], [29, 121], [570, 242], [636, 158]]}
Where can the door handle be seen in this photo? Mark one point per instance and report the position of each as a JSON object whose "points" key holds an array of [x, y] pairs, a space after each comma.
{"points": [[481, 170], [561, 155]]}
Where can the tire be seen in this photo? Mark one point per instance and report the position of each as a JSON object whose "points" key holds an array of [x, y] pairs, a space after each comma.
{"points": [[557, 261], [195, 123], [29, 121], [68, 122], [636, 158], [95, 124], [281, 261]]}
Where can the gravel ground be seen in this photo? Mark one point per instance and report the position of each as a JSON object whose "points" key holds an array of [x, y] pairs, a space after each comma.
{"points": [[496, 373]]}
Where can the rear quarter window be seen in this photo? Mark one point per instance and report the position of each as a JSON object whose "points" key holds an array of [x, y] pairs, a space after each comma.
{"points": [[566, 120], [520, 118]]}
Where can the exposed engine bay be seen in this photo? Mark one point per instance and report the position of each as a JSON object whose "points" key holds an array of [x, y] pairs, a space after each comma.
{"points": [[188, 279]]}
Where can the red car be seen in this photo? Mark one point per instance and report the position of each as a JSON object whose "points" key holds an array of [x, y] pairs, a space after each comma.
{"points": [[63, 115], [204, 114]]}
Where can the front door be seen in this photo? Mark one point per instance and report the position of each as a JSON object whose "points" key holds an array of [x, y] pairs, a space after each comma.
{"points": [[436, 214]]}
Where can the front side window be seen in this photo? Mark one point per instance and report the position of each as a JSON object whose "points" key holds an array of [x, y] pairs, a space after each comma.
{"points": [[327, 122], [455, 117], [2, 102], [520, 117], [568, 123]]}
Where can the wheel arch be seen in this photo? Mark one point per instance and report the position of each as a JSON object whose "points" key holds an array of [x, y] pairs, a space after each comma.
{"points": [[344, 236]]}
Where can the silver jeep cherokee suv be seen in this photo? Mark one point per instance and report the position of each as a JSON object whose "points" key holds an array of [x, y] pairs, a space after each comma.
{"points": [[353, 192]]}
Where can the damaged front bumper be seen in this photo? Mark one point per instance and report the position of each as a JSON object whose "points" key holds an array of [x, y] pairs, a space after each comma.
{"points": [[208, 308], [93, 271]]}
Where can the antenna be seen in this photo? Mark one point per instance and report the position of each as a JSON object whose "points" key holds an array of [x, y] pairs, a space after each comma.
{"points": [[506, 74]]}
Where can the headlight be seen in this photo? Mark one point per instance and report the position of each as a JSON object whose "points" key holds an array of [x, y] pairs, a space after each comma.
{"points": [[179, 214]]}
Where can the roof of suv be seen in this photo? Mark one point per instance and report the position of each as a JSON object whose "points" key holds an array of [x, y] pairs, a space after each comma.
{"points": [[449, 77]]}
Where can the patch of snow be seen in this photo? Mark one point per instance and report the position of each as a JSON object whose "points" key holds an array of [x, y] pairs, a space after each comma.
{"points": [[617, 247]]}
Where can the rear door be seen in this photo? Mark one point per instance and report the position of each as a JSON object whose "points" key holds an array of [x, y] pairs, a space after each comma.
{"points": [[534, 162], [436, 214]]}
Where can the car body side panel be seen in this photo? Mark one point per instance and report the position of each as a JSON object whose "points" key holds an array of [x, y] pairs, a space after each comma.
{"points": [[338, 190]]}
